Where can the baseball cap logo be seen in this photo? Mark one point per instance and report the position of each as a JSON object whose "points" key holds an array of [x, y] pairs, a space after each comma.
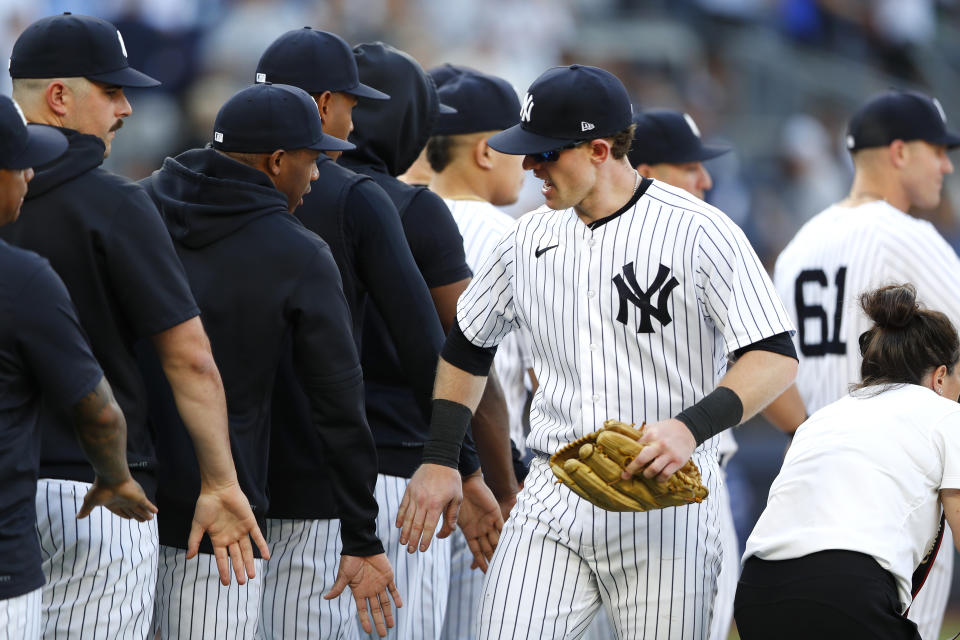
{"points": [[261, 78], [123, 47], [527, 108], [943, 115], [586, 126], [692, 125], [217, 136]]}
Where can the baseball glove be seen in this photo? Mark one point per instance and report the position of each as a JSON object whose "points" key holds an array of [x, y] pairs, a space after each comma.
{"points": [[591, 467]]}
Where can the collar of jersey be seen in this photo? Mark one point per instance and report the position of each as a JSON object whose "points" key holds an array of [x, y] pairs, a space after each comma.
{"points": [[596, 224]]}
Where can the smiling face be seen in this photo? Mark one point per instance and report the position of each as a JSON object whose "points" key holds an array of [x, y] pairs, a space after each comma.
{"points": [[568, 180]]}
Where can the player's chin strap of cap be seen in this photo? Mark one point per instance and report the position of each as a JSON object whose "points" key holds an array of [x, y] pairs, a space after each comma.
{"points": [[923, 570], [717, 411]]}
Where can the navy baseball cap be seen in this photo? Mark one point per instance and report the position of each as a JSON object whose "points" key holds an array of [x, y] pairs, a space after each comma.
{"points": [[316, 61], [446, 72], [265, 117], [668, 136], [567, 105], [75, 46], [483, 103], [899, 115], [25, 145]]}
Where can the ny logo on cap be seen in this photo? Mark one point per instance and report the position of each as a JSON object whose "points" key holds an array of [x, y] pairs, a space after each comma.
{"points": [[527, 108], [692, 125], [123, 47], [943, 115]]}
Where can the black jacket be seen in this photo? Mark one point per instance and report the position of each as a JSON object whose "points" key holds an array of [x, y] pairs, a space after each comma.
{"points": [[389, 135], [104, 238], [265, 285], [360, 223]]}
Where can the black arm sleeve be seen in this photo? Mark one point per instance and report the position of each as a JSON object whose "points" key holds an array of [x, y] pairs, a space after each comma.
{"points": [[463, 354], [780, 343], [328, 366], [388, 270]]}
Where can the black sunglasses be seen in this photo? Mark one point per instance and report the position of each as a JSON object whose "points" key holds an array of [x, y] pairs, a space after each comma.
{"points": [[554, 154]]}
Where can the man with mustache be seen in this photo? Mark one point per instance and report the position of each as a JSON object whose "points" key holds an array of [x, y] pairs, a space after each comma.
{"points": [[103, 237]]}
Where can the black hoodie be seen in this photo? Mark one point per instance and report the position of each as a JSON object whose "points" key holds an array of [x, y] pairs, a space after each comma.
{"points": [[105, 240], [265, 284], [389, 135]]}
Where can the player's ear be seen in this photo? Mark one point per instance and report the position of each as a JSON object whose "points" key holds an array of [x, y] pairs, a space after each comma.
{"points": [[323, 101], [275, 162], [899, 153], [483, 154], [59, 97], [599, 150]]}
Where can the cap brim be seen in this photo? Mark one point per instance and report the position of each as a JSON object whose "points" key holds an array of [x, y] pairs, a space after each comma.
{"points": [[44, 144], [330, 143], [952, 140], [712, 151], [363, 91], [127, 77], [517, 141], [447, 109]]}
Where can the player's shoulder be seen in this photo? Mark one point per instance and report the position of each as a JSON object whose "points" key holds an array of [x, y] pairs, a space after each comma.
{"points": [[683, 204], [18, 265], [481, 211]]}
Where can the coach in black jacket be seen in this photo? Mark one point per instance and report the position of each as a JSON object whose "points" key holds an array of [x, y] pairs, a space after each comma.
{"points": [[263, 283]]}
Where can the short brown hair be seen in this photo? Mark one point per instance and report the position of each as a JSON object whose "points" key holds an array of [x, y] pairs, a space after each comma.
{"points": [[621, 141], [906, 341]]}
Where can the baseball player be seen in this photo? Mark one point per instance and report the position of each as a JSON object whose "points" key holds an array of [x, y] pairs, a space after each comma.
{"points": [[472, 178], [389, 135], [360, 224], [899, 143], [104, 238], [43, 350], [227, 208], [634, 295]]}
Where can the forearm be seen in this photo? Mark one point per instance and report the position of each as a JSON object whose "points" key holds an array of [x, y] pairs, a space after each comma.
{"points": [[758, 377], [102, 432], [491, 430], [188, 364], [787, 412]]}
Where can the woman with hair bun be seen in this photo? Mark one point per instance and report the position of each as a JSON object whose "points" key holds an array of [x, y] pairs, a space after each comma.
{"points": [[854, 514]]}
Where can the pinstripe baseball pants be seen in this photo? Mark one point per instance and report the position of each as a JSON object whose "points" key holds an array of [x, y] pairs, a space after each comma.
{"points": [[101, 571], [560, 558]]}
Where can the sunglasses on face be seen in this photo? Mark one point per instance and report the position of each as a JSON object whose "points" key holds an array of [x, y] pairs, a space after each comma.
{"points": [[554, 154]]}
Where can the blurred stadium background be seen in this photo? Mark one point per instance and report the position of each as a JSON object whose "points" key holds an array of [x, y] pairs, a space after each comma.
{"points": [[776, 79]]}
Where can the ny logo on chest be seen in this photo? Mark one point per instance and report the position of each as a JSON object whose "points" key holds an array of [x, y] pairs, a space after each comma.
{"points": [[630, 291]]}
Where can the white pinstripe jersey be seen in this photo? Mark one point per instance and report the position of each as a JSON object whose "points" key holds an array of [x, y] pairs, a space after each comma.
{"points": [[482, 226], [839, 254], [631, 317]]}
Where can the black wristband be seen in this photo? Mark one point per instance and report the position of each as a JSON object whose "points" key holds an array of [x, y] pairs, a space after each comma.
{"points": [[717, 411], [448, 424]]}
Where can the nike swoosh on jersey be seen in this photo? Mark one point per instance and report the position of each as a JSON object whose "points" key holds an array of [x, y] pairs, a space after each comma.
{"points": [[539, 252]]}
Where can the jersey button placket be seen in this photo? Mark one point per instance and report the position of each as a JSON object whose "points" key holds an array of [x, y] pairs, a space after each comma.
{"points": [[590, 332]]}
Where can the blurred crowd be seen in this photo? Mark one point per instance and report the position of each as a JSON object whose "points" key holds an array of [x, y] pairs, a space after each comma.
{"points": [[777, 79]]}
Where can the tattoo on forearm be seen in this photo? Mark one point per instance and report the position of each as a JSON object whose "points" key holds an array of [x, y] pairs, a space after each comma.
{"points": [[102, 432]]}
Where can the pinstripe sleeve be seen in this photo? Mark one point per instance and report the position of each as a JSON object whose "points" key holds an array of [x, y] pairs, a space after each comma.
{"points": [[918, 254], [736, 292], [485, 311]]}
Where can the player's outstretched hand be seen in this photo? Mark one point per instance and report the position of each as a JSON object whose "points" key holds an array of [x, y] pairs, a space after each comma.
{"points": [[433, 490], [669, 445], [370, 580], [480, 520], [225, 515], [126, 499]]}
